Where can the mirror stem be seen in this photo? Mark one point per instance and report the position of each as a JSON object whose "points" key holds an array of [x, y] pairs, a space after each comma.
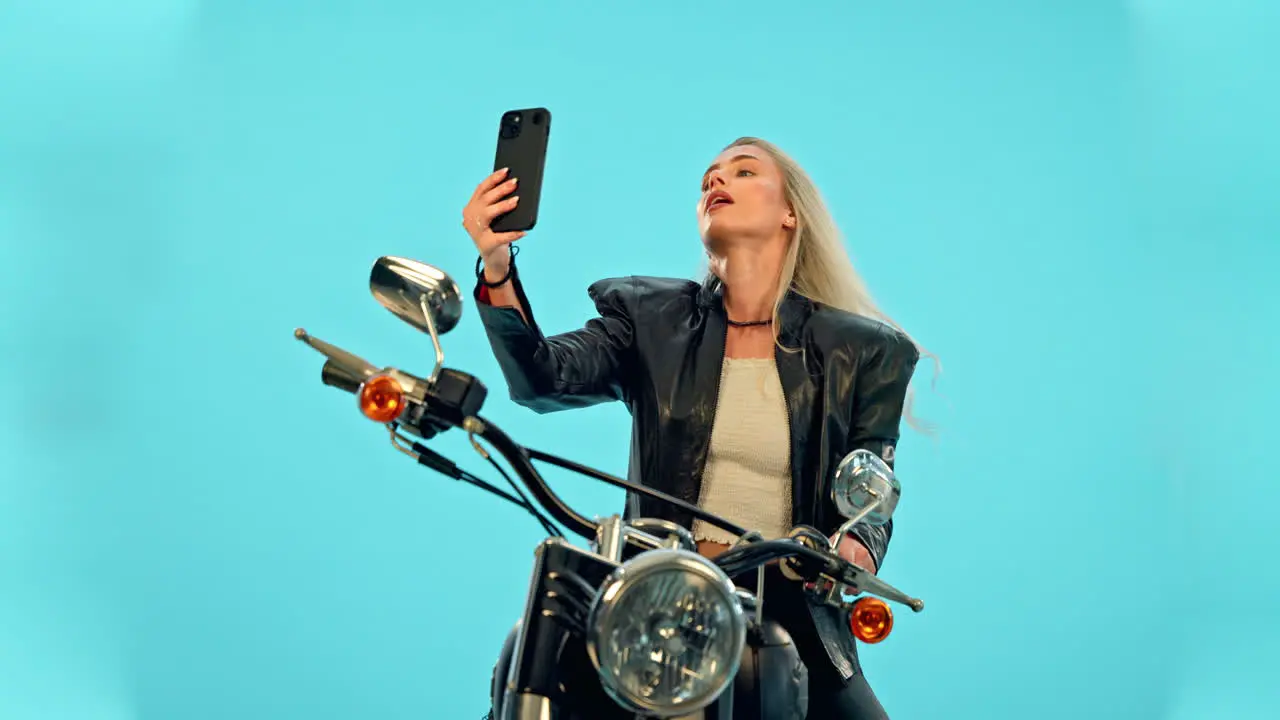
{"points": [[848, 524], [435, 339]]}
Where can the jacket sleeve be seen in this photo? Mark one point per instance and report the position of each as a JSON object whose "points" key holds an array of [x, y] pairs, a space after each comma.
{"points": [[884, 373], [574, 369]]}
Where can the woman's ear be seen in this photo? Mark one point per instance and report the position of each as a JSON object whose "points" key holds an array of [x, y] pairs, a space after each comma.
{"points": [[789, 222]]}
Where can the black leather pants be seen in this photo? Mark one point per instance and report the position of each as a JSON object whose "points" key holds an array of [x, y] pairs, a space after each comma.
{"points": [[829, 697], [853, 701]]}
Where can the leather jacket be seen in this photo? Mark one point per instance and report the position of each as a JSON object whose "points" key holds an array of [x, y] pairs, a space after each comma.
{"points": [[658, 345]]}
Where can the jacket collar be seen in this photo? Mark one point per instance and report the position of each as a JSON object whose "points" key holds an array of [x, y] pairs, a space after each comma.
{"points": [[795, 309]]}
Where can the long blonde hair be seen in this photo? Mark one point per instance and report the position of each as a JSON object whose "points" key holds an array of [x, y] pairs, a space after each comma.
{"points": [[817, 265]]}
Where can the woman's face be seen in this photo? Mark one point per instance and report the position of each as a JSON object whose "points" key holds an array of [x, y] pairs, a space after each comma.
{"points": [[743, 198]]}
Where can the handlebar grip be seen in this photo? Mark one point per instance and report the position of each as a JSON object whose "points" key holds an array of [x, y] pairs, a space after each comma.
{"points": [[334, 375]]}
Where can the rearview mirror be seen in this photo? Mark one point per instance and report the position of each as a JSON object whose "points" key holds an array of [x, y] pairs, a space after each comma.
{"points": [[865, 489], [419, 294]]}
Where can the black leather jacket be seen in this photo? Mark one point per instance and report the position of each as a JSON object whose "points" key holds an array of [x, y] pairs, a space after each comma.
{"points": [[658, 346]]}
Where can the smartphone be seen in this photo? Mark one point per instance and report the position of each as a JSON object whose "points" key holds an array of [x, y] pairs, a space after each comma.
{"points": [[522, 148]]}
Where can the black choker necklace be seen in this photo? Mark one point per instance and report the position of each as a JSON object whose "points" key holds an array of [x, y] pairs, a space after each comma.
{"points": [[753, 323]]}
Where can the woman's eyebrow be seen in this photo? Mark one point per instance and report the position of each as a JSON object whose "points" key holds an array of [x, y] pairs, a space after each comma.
{"points": [[735, 158]]}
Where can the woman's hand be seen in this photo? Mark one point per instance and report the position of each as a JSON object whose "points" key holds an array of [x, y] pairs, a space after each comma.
{"points": [[855, 552], [489, 201]]}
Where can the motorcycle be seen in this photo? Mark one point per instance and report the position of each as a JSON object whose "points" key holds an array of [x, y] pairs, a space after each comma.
{"points": [[638, 624]]}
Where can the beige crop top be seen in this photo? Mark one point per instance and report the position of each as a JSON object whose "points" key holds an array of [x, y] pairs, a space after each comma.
{"points": [[747, 478]]}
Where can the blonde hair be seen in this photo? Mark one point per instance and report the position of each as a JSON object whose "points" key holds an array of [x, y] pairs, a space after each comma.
{"points": [[817, 265]]}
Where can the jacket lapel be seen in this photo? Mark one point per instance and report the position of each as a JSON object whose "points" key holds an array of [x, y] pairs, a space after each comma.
{"points": [[803, 408]]}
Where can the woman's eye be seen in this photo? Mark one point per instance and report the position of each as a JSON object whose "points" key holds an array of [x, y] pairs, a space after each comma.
{"points": [[745, 171]]}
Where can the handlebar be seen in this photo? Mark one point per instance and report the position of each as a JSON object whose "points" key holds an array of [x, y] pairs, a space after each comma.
{"points": [[453, 399]]}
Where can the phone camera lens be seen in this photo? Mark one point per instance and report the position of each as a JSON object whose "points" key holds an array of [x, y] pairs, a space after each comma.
{"points": [[511, 126]]}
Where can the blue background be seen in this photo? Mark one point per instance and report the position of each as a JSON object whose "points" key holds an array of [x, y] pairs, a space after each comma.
{"points": [[1072, 203]]}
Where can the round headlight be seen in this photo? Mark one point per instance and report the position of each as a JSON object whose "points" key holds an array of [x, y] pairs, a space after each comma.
{"points": [[666, 633]]}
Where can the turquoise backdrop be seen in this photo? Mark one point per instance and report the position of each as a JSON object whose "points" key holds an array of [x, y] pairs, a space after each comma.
{"points": [[1073, 203]]}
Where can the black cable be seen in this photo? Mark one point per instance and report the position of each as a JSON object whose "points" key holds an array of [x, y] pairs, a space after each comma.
{"points": [[542, 519], [488, 487], [433, 460], [518, 457]]}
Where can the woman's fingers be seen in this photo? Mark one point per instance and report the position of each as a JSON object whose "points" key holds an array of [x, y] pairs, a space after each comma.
{"points": [[496, 209], [498, 192], [486, 203], [477, 215], [488, 183]]}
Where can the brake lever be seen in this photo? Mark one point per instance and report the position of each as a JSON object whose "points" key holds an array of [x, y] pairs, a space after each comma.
{"points": [[837, 576], [860, 580]]}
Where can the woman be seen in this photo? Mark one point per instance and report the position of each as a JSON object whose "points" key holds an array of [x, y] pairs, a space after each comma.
{"points": [[745, 390]]}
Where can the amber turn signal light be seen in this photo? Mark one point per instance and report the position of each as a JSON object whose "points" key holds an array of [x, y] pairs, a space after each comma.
{"points": [[871, 620], [381, 398]]}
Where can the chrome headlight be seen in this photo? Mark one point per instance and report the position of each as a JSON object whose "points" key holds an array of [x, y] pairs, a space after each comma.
{"points": [[666, 633]]}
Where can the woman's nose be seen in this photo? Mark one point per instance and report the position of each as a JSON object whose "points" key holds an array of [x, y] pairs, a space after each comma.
{"points": [[716, 178]]}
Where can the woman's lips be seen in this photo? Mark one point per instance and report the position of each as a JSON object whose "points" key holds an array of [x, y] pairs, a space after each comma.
{"points": [[718, 199]]}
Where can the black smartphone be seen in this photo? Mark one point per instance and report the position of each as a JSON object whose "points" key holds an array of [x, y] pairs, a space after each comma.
{"points": [[522, 148]]}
